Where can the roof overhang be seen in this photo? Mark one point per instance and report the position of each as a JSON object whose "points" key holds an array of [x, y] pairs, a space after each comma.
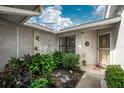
{"points": [[97, 24], [17, 11], [113, 10], [101, 23], [36, 26]]}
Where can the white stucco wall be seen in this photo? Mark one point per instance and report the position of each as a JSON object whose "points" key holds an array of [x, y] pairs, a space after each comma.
{"points": [[17, 40], [8, 42], [119, 48], [86, 53], [47, 42]]}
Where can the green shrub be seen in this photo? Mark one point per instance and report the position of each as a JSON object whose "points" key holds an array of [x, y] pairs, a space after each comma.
{"points": [[40, 83], [35, 65], [70, 61], [15, 63], [48, 64], [19, 72], [12, 72], [16, 71], [57, 57], [42, 64], [114, 76]]}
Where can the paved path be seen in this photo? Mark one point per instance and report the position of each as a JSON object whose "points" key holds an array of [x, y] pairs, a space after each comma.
{"points": [[90, 80]]}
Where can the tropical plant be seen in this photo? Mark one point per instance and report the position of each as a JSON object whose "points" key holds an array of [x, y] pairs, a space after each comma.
{"points": [[35, 65], [48, 64], [57, 57], [42, 64]]}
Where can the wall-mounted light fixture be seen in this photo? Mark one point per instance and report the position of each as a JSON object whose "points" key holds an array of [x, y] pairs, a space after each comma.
{"points": [[82, 32], [37, 38], [36, 48]]}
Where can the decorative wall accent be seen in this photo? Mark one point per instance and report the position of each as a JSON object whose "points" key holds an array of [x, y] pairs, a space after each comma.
{"points": [[87, 44]]}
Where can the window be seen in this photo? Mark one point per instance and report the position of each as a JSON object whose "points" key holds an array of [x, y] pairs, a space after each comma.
{"points": [[67, 44]]}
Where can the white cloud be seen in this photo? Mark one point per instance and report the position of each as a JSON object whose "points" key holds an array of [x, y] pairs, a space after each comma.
{"points": [[52, 18], [99, 10], [62, 23], [51, 14]]}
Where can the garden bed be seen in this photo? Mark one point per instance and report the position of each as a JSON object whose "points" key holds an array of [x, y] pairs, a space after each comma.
{"points": [[56, 70]]}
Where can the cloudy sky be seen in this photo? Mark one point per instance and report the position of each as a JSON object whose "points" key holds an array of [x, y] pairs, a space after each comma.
{"points": [[60, 17]]}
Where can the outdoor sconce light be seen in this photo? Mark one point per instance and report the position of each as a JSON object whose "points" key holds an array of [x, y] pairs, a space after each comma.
{"points": [[37, 38], [36, 48], [82, 32], [87, 43]]}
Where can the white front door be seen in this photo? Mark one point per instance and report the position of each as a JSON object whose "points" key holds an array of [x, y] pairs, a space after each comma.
{"points": [[104, 48]]}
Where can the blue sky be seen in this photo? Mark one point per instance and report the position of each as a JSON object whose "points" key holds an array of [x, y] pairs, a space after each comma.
{"points": [[60, 17]]}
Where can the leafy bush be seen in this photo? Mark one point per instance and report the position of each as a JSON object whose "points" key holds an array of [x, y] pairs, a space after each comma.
{"points": [[16, 73], [70, 61], [19, 72], [35, 65], [57, 57], [48, 64], [40, 83], [114, 76], [11, 72], [42, 63], [14, 63]]}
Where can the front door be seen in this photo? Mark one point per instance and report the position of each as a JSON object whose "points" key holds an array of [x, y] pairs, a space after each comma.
{"points": [[104, 48]]}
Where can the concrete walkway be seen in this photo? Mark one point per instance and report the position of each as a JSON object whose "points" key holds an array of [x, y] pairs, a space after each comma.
{"points": [[90, 79]]}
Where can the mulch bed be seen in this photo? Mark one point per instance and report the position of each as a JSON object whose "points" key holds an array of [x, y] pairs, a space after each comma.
{"points": [[67, 79]]}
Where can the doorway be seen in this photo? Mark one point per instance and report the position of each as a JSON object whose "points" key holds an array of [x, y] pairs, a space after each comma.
{"points": [[104, 48]]}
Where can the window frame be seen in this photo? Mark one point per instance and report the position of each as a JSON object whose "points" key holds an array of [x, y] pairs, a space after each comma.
{"points": [[66, 44]]}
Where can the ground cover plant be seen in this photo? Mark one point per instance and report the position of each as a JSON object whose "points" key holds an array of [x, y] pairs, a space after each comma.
{"points": [[42, 70]]}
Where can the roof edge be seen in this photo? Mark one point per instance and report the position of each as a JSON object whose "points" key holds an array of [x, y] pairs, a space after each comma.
{"points": [[40, 27], [93, 24], [102, 22]]}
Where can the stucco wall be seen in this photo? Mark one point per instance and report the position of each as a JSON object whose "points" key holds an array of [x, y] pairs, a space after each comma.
{"points": [[25, 41], [8, 44], [17, 40], [119, 49], [86, 53], [47, 42]]}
